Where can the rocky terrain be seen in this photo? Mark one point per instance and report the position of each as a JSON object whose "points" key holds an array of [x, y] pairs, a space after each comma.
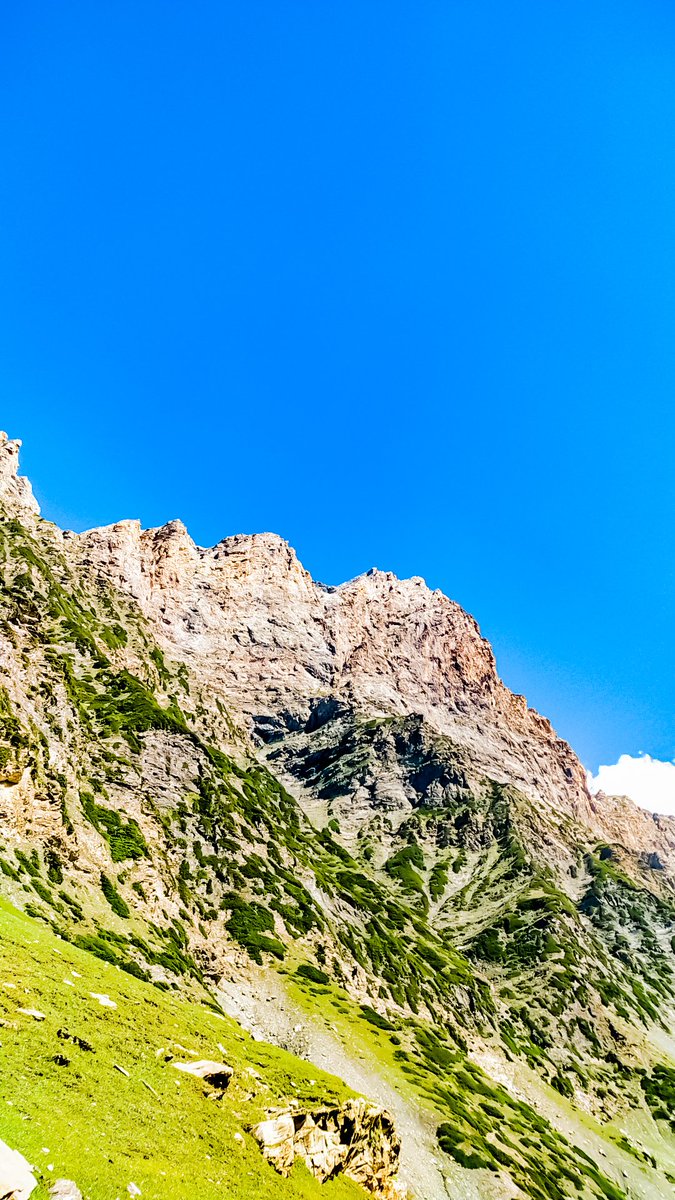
{"points": [[319, 810]]}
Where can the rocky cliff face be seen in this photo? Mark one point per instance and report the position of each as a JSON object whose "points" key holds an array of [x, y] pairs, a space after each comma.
{"points": [[211, 765], [275, 645], [356, 1139], [279, 649], [15, 490]]}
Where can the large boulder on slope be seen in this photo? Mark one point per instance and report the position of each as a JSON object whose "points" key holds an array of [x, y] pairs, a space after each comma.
{"points": [[16, 1175], [356, 1139]]}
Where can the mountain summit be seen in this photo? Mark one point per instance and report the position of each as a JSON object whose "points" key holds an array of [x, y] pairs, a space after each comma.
{"points": [[319, 811]]}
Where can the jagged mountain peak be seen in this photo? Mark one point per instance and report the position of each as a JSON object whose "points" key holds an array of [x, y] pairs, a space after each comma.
{"points": [[16, 492], [263, 556], [269, 640]]}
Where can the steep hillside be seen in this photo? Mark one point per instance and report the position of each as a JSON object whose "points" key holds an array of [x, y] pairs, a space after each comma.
{"points": [[320, 810], [89, 1090]]}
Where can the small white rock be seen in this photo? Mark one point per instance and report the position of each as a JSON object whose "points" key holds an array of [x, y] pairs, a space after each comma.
{"points": [[103, 1000], [65, 1189]]}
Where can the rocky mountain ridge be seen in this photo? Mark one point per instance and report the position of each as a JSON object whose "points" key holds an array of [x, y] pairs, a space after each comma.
{"points": [[215, 769], [274, 644]]}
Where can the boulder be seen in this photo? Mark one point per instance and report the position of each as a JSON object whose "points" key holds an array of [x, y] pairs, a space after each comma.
{"points": [[217, 1075], [16, 1175], [356, 1139], [65, 1189], [276, 1139]]}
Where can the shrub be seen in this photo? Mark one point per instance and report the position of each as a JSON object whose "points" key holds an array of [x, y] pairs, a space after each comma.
{"points": [[124, 837], [438, 880], [376, 1019], [116, 902], [307, 971], [249, 925]]}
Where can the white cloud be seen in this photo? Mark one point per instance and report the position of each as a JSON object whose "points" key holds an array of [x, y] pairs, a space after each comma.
{"points": [[648, 781]]}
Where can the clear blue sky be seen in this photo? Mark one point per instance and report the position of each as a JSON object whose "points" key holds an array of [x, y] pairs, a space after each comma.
{"points": [[395, 280]]}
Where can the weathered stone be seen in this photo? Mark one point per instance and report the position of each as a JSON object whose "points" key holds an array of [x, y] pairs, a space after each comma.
{"points": [[356, 1139], [16, 1175], [276, 1138], [217, 1075], [65, 1189]]}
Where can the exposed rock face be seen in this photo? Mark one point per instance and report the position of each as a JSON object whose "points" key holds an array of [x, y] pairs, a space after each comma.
{"points": [[622, 821], [357, 1140], [16, 493], [276, 645], [283, 651]]}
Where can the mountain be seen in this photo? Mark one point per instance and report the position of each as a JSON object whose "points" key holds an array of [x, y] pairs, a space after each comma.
{"points": [[316, 817]]}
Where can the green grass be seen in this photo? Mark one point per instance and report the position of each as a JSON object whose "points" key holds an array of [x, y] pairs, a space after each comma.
{"points": [[154, 1128]]}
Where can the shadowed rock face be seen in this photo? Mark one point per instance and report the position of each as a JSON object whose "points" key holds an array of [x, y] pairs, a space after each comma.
{"points": [[373, 777]]}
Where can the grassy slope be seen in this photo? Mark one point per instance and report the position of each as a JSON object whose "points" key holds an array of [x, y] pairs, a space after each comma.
{"points": [[571, 1137], [105, 1130]]}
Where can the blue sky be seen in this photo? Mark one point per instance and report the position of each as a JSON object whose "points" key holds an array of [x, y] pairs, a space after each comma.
{"points": [[394, 280]]}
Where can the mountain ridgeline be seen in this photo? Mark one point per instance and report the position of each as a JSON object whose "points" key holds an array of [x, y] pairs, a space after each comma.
{"points": [[315, 819]]}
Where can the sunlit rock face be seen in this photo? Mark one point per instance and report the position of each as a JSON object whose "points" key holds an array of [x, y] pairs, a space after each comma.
{"points": [[279, 648], [16, 493]]}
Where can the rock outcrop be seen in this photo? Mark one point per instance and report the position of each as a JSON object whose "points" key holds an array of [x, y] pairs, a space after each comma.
{"points": [[65, 1189], [16, 493], [356, 1139]]}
